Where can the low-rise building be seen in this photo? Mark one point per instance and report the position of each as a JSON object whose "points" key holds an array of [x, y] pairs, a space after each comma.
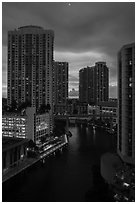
{"points": [[108, 109], [14, 151], [19, 124], [42, 127], [75, 107], [72, 106], [82, 108], [93, 110], [26, 124]]}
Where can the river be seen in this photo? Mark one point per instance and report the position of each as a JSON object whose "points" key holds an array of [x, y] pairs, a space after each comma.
{"points": [[71, 176]]}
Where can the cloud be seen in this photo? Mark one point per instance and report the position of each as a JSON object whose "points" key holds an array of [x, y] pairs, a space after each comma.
{"points": [[73, 93], [113, 91], [85, 32], [81, 27], [73, 78]]}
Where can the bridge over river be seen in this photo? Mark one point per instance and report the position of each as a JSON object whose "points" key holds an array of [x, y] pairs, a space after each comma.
{"points": [[81, 118]]}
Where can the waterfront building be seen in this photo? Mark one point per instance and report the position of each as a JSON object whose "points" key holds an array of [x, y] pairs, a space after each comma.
{"points": [[75, 107], [94, 83], [72, 106], [94, 110], [113, 100], [82, 108], [14, 151], [42, 128], [30, 67], [26, 124], [18, 124], [108, 109], [126, 103], [60, 87], [104, 110], [123, 178]]}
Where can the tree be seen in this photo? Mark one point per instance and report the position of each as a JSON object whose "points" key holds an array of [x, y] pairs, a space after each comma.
{"points": [[24, 105], [58, 131], [44, 108], [13, 106], [43, 139], [31, 144]]}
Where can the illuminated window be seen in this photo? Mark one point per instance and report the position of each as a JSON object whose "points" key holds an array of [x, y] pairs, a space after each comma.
{"points": [[130, 96], [130, 62]]}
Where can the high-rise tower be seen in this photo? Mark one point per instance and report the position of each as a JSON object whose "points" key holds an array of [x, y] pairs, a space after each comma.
{"points": [[94, 83], [126, 103], [60, 86], [86, 85], [101, 82], [30, 61]]}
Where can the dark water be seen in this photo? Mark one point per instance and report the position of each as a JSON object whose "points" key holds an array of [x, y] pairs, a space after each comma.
{"points": [[73, 175]]}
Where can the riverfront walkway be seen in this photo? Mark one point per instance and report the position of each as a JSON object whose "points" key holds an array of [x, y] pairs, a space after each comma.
{"points": [[85, 117], [22, 166], [27, 162]]}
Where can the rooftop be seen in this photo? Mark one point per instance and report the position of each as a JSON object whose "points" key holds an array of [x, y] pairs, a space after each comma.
{"points": [[30, 26], [108, 103]]}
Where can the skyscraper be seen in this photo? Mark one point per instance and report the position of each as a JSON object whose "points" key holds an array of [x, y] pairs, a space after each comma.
{"points": [[126, 103], [30, 61], [60, 86], [101, 82], [86, 85], [94, 83]]}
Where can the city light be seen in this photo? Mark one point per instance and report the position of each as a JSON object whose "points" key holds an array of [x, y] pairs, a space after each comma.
{"points": [[79, 145]]}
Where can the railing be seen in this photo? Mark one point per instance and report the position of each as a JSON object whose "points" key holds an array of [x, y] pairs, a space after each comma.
{"points": [[85, 116], [52, 149], [27, 162]]}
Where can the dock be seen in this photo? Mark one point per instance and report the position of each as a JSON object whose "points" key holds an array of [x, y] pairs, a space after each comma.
{"points": [[27, 162]]}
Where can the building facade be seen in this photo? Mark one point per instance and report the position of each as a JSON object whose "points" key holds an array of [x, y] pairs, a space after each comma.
{"points": [[42, 127], [94, 84], [30, 60], [86, 85], [109, 110], [126, 103], [28, 124], [14, 125], [14, 151], [94, 110], [30, 67], [101, 82], [60, 87], [72, 106]]}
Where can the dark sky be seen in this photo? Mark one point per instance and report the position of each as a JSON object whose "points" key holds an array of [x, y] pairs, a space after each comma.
{"points": [[84, 32]]}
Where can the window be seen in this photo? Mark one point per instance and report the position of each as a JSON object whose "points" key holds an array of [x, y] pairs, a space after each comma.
{"points": [[130, 62]]}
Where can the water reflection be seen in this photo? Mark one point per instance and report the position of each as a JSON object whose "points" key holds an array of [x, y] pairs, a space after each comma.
{"points": [[69, 176]]}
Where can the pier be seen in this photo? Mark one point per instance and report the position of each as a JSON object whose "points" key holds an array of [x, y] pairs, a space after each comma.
{"points": [[27, 162]]}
